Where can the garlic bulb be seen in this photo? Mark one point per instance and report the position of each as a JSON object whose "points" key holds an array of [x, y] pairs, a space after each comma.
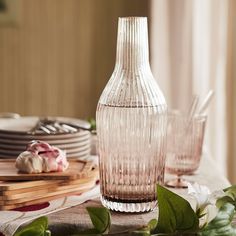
{"points": [[41, 157], [29, 163]]}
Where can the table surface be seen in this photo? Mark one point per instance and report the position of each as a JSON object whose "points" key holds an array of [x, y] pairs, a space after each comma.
{"points": [[76, 217]]}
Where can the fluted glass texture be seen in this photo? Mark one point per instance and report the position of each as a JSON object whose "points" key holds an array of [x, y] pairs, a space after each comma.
{"points": [[131, 125]]}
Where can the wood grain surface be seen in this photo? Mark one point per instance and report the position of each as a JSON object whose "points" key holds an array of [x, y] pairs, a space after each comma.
{"points": [[77, 169], [15, 194]]}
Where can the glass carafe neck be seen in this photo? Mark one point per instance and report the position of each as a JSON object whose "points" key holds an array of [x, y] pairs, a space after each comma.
{"points": [[132, 43]]}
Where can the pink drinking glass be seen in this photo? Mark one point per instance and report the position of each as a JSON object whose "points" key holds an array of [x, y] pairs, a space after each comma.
{"points": [[184, 146]]}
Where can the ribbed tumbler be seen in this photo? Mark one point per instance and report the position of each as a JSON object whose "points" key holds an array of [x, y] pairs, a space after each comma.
{"points": [[131, 125]]}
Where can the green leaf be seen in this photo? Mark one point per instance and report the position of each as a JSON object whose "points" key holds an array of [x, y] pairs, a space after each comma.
{"points": [[140, 233], [101, 219], [222, 201], [232, 187], [37, 227], [231, 192], [152, 224], [47, 233], [230, 197], [221, 224], [92, 122], [175, 213]]}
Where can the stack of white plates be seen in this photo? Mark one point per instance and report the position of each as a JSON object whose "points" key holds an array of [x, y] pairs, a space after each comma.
{"points": [[15, 136]]}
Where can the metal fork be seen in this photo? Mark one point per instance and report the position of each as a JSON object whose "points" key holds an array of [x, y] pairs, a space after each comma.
{"points": [[51, 126]]}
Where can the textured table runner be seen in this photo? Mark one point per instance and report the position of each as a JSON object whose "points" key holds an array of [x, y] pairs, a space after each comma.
{"points": [[11, 220]]}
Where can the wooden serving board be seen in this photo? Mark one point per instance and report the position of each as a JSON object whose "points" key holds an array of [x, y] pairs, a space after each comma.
{"points": [[10, 187], [57, 191], [19, 185], [16, 194], [77, 169], [9, 206], [49, 186]]}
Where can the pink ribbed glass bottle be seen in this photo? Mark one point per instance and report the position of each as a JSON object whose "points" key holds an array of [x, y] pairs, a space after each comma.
{"points": [[131, 125]]}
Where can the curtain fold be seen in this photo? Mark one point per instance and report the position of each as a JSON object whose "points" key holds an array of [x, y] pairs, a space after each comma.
{"points": [[189, 45], [231, 90]]}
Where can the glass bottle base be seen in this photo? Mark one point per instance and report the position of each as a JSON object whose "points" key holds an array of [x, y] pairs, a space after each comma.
{"points": [[116, 205]]}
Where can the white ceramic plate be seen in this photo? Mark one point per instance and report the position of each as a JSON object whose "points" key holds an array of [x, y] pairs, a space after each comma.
{"points": [[24, 142], [68, 150], [25, 124], [76, 155], [80, 155], [22, 147], [24, 136]]}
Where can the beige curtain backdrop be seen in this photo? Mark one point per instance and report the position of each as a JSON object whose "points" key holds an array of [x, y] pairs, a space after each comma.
{"points": [[231, 90], [59, 56], [190, 45]]}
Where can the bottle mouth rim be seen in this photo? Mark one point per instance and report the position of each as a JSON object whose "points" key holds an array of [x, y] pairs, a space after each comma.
{"points": [[129, 18]]}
